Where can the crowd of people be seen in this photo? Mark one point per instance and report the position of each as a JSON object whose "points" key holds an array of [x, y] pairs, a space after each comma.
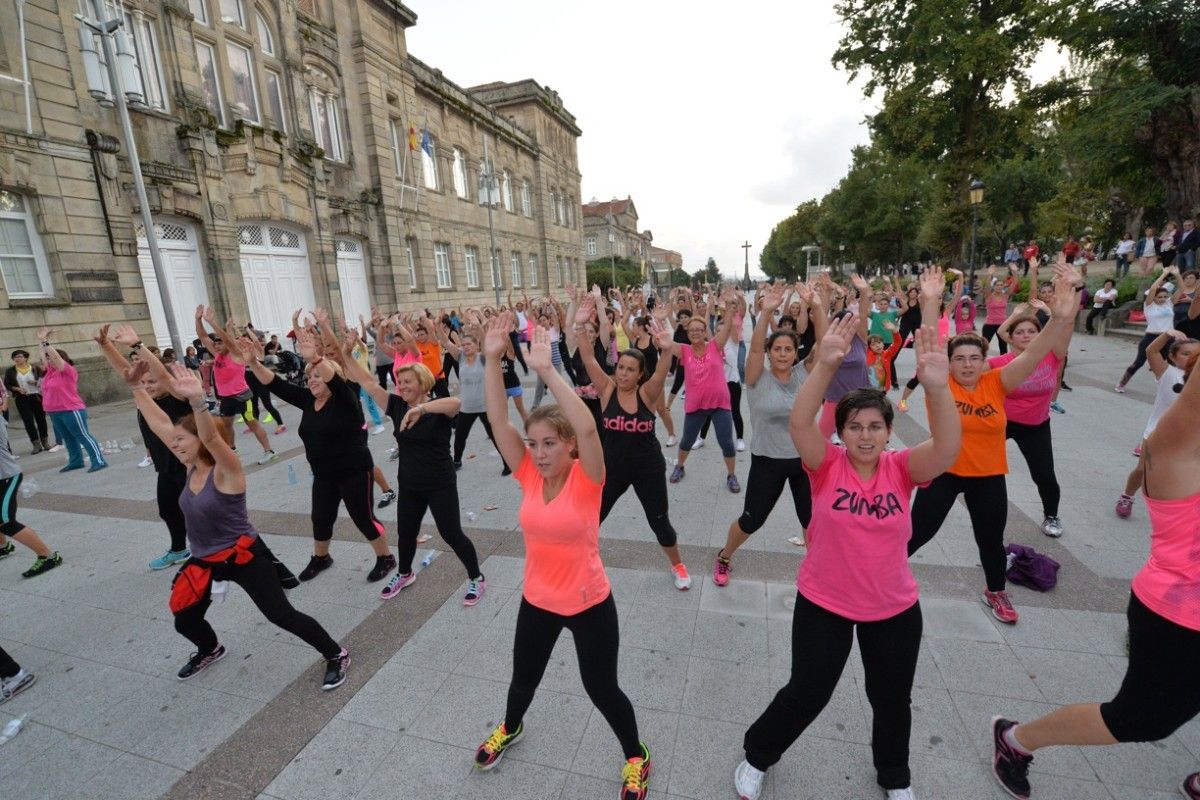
{"points": [[816, 371]]}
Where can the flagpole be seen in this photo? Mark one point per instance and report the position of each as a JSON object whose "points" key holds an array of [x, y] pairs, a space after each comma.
{"points": [[493, 259]]}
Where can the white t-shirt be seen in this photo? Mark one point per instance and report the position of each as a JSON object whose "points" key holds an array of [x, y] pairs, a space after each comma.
{"points": [[1164, 397], [28, 381], [1160, 318], [1125, 247], [731, 360], [1104, 296]]}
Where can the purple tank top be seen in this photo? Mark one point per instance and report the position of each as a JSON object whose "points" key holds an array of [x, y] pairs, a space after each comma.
{"points": [[215, 520], [851, 374]]}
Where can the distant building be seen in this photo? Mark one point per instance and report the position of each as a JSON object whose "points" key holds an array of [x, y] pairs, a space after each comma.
{"points": [[611, 229]]}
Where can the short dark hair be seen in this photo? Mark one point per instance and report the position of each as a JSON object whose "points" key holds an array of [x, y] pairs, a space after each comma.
{"points": [[636, 355], [683, 312], [862, 400], [1108, 281], [795, 338], [969, 339], [786, 319], [1012, 326], [16, 353]]}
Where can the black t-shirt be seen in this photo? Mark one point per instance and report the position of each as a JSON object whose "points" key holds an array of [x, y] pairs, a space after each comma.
{"points": [[424, 461], [334, 436], [508, 370], [581, 374], [165, 461]]}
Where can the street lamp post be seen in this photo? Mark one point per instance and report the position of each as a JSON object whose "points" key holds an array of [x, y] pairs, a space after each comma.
{"points": [[841, 258], [489, 183], [977, 188]]}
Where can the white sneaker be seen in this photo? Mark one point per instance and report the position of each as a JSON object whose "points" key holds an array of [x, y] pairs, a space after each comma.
{"points": [[267, 458], [378, 429], [683, 581], [672, 441], [741, 445], [698, 443], [145, 462], [748, 781], [10, 687], [901, 794], [58, 448]]}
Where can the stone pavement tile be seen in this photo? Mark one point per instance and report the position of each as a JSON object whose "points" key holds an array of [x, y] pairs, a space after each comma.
{"points": [[1189, 736], [503, 572], [706, 751], [731, 638], [1137, 793], [659, 628], [781, 601], [192, 724], [715, 690], [976, 712], [747, 598], [143, 646], [1068, 677], [1150, 765], [338, 762], [845, 718], [33, 740], [335, 618], [463, 711], [1111, 563], [124, 721], [420, 768], [393, 697], [820, 769], [937, 729], [68, 690], [957, 619], [1107, 632], [779, 643], [1047, 627], [662, 593], [510, 780], [937, 778], [491, 656], [626, 583], [652, 678], [583, 787], [56, 771], [129, 778], [440, 643], [258, 669], [982, 667], [599, 754]]}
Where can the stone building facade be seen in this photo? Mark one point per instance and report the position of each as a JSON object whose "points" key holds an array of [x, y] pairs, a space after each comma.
{"points": [[295, 155], [611, 228]]}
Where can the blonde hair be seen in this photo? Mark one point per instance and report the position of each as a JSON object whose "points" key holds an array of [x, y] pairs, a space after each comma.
{"points": [[424, 376]]}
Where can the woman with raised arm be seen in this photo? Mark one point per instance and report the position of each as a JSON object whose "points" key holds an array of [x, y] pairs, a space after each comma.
{"points": [[978, 473], [66, 409], [229, 384], [1160, 317], [560, 466], [224, 544], [852, 373], [425, 475], [335, 444], [632, 453], [856, 576], [470, 393], [45, 559], [995, 303], [1159, 693]]}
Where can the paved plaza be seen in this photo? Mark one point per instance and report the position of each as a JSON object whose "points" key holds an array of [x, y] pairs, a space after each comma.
{"points": [[108, 719]]}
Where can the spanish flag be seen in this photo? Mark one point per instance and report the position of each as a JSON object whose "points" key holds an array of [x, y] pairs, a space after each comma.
{"points": [[414, 138]]}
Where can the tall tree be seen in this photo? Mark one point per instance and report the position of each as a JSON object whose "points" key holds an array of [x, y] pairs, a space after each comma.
{"points": [[709, 273], [783, 256]]}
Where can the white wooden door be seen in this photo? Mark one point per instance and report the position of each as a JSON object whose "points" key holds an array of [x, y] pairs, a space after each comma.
{"points": [[186, 288], [276, 275], [352, 277]]}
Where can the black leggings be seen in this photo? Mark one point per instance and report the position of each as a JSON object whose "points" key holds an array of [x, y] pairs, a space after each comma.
{"points": [[1160, 692], [597, 641], [1138, 361], [735, 407], [987, 503], [516, 346], [820, 647], [767, 478], [383, 372], [1034, 443], [170, 486], [677, 384], [261, 394], [1101, 312], [29, 406], [649, 482], [8, 667], [443, 503], [993, 330], [357, 491], [260, 581], [463, 422]]}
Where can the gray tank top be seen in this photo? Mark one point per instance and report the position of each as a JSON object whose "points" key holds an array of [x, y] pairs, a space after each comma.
{"points": [[470, 386], [215, 520]]}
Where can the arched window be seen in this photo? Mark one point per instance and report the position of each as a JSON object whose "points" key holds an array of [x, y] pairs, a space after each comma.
{"points": [[266, 41], [326, 120], [22, 260], [460, 172]]}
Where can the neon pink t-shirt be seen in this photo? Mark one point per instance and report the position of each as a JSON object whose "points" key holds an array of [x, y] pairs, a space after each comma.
{"points": [[230, 376], [60, 389], [704, 378], [1029, 403], [1169, 584], [403, 357], [563, 572], [857, 562]]}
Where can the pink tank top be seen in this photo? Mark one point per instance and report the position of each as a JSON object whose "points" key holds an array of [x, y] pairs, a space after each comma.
{"points": [[704, 378], [230, 376], [997, 309], [1169, 584]]}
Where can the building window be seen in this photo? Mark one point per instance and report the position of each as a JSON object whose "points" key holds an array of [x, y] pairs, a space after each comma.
{"points": [[533, 270], [562, 210], [265, 41], [591, 246], [460, 173], [515, 263], [199, 9], [554, 206], [526, 199], [558, 269], [275, 98], [441, 265], [22, 260], [397, 146], [232, 13], [497, 277], [326, 127], [429, 170], [472, 260], [245, 93], [149, 78], [412, 263], [210, 87], [506, 191]]}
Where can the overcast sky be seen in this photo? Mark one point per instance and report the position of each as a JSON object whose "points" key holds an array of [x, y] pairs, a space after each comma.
{"points": [[718, 119]]}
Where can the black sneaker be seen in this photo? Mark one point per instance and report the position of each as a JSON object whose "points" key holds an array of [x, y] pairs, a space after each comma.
{"points": [[457, 466], [7, 550], [388, 497], [200, 661], [1064, 387], [336, 669], [43, 564], [316, 564], [505, 471], [1010, 767], [383, 565]]}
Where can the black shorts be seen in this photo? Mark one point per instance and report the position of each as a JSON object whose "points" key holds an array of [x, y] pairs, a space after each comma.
{"points": [[234, 406], [9, 491]]}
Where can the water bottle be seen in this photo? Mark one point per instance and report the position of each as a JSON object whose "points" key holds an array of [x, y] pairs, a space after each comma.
{"points": [[12, 728], [29, 488], [126, 443], [218, 591], [292, 479], [472, 516], [429, 557]]}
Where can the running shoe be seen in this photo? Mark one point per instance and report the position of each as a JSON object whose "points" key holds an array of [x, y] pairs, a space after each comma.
{"points": [[457, 466], [741, 445], [721, 568], [1137, 451], [475, 589], [748, 781], [1119, 389], [200, 661], [672, 441], [11, 687], [1057, 407], [316, 565], [635, 776], [383, 565], [58, 448], [145, 462], [1001, 606], [267, 458], [422, 538], [490, 752], [97, 467], [7, 550], [170, 558], [903, 405], [378, 429], [1063, 385], [37, 448], [43, 564], [1052, 527], [696, 445], [336, 669], [386, 500], [394, 454], [1191, 786], [731, 482], [506, 471], [683, 581], [901, 794], [282, 429], [398, 582], [1124, 506], [676, 474], [71, 467], [1010, 766]]}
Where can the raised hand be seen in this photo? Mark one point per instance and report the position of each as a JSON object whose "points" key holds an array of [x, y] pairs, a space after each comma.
{"points": [[538, 357], [933, 284], [835, 344], [209, 314], [772, 298], [1066, 301], [860, 284], [124, 335], [933, 365], [663, 340], [200, 313], [133, 374], [495, 341], [307, 347], [44, 333], [101, 337], [185, 384]]}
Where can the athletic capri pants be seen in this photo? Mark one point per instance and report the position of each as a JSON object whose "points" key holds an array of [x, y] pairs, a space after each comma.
{"points": [[10, 489], [650, 484], [987, 503], [767, 478], [170, 486], [722, 420], [357, 491], [1160, 692]]}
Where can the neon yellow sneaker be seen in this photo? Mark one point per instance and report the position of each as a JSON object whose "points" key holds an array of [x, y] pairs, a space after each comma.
{"points": [[635, 776], [490, 752]]}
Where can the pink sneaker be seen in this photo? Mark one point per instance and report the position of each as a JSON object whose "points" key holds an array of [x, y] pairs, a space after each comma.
{"points": [[1137, 451], [1124, 507], [1001, 606], [398, 582], [721, 571]]}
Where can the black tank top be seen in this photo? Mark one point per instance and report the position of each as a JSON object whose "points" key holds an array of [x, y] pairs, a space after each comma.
{"points": [[911, 317], [629, 438], [650, 353]]}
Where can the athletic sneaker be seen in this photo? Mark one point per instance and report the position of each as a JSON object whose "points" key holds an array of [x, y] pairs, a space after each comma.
{"points": [[1001, 606], [336, 669], [316, 565], [43, 564], [490, 752], [170, 558], [1057, 407], [748, 781], [731, 482], [676, 474], [683, 581], [387, 498], [267, 458], [383, 565], [721, 568], [7, 550], [1010, 767], [635, 776], [1063, 385], [398, 582], [741, 445], [1052, 527], [1119, 389], [58, 448], [1137, 451], [97, 467], [457, 466], [696, 445], [282, 429], [902, 405], [901, 794], [394, 454], [378, 429], [1124, 506], [672, 441], [11, 687], [475, 589], [1191, 786], [145, 462], [200, 661]]}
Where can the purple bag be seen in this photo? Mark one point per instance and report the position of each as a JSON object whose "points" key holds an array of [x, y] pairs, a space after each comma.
{"points": [[1032, 569]]}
